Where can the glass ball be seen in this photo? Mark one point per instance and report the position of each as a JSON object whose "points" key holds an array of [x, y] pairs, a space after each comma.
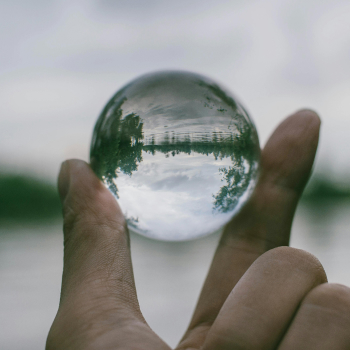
{"points": [[178, 152]]}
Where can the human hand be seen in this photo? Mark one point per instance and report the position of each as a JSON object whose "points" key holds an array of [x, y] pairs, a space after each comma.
{"points": [[256, 296]]}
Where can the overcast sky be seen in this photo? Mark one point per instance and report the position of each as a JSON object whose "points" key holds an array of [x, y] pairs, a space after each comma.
{"points": [[62, 60]]}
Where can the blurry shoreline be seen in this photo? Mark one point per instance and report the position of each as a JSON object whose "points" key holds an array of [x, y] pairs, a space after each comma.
{"points": [[29, 200]]}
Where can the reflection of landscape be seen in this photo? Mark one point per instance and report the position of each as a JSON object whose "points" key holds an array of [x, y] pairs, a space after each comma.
{"points": [[122, 152], [177, 114]]}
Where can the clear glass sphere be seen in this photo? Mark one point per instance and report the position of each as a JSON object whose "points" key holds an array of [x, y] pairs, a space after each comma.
{"points": [[179, 153]]}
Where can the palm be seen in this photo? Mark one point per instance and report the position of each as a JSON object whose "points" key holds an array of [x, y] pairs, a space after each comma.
{"points": [[249, 298]]}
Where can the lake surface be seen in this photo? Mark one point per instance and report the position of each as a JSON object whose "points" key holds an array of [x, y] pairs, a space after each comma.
{"points": [[168, 275]]}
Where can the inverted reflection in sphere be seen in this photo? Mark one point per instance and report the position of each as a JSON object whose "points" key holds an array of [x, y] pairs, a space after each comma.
{"points": [[178, 152]]}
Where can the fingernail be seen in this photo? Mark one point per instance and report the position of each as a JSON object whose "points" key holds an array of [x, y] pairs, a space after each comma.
{"points": [[64, 180]]}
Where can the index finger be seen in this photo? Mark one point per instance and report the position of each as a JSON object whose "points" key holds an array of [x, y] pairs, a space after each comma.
{"points": [[264, 222]]}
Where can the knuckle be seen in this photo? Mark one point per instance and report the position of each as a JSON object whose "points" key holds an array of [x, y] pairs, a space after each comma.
{"points": [[330, 296], [298, 259], [70, 216], [89, 217]]}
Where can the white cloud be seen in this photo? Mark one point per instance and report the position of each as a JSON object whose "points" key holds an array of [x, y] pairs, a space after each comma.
{"points": [[176, 211]]}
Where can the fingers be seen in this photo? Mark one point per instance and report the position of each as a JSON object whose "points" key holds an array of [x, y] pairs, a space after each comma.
{"points": [[322, 321], [97, 263], [261, 306], [265, 221]]}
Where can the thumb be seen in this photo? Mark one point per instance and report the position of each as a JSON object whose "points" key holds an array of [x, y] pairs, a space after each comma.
{"points": [[97, 264]]}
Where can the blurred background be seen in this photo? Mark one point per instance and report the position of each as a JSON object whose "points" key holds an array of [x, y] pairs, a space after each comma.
{"points": [[60, 61]]}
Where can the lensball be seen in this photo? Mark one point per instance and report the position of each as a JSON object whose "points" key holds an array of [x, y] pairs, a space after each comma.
{"points": [[179, 153]]}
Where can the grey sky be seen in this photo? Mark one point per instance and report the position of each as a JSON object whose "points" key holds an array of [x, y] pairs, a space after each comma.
{"points": [[61, 61]]}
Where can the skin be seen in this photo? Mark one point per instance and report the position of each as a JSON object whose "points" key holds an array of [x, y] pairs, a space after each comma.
{"points": [[259, 293]]}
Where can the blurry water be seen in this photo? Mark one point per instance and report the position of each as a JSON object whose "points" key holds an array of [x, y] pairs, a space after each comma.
{"points": [[325, 232], [30, 271], [168, 275]]}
